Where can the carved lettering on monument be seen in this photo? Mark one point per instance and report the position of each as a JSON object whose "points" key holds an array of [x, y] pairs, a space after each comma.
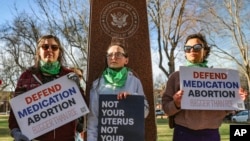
{"points": [[119, 19]]}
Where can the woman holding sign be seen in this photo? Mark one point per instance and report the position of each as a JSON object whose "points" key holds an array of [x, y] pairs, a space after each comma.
{"points": [[48, 66], [116, 79], [192, 125]]}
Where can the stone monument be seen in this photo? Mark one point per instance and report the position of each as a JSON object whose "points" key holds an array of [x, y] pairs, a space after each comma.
{"points": [[126, 19]]}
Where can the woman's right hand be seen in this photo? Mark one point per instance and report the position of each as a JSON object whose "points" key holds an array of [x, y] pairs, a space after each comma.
{"points": [[243, 94]]}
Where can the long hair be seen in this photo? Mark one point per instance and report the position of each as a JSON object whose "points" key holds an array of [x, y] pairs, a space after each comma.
{"points": [[40, 43]]}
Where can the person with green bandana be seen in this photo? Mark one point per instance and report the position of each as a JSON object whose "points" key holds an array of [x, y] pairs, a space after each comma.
{"points": [[49, 60], [116, 79], [192, 125]]}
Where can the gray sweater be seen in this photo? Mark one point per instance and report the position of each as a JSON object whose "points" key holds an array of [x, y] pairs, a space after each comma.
{"points": [[133, 86]]}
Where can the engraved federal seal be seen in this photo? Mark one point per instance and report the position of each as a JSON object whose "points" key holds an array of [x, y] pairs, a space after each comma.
{"points": [[119, 19]]}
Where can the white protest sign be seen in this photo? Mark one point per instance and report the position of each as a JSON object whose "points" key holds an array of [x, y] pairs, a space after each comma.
{"points": [[210, 89], [48, 107]]}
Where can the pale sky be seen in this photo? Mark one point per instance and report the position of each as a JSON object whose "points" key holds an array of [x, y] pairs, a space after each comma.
{"points": [[7, 8], [7, 12]]}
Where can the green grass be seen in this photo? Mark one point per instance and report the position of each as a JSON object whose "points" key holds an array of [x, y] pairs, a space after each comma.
{"points": [[164, 133], [224, 132], [4, 130]]}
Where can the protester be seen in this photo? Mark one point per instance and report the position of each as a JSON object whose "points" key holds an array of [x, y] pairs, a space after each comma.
{"points": [[116, 79], [192, 125], [81, 122], [48, 66]]}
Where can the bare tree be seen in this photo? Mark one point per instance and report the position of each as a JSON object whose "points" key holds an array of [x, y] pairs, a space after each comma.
{"points": [[171, 21], [18, 47], [67, 19], [232, 28], [225, 20]]}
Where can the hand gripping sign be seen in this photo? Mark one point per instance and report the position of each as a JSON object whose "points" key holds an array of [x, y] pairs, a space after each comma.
{"points": [[49, 106]]}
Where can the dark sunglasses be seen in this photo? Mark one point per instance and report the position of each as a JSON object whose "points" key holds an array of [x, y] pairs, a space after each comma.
{"points": [[195, 48], [53, 47]]}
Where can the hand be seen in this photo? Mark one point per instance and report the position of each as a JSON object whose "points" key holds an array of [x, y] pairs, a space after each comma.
{"points": [[177, 98], [73, 76], [18, 136], [122, 95], [243, 93]]}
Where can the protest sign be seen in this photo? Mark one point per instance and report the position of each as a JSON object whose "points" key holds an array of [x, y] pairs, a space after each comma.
{"points": [[49, 106], [121, 120], [210, 89]]}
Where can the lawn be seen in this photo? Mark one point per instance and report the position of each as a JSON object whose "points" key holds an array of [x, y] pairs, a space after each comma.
{"points": [[163, 132], [4, 131]]}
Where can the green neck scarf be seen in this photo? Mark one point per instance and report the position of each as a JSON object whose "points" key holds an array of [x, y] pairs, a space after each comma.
{"points": [[203, 64], [50, 68], [115, 78]]}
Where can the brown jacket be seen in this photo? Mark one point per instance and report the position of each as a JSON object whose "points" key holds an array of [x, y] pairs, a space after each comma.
{"points": [[27, 82], [192, 119]]}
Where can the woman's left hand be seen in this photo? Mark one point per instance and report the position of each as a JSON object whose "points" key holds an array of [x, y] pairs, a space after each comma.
{"points": [[122, 95], [243, 93]]}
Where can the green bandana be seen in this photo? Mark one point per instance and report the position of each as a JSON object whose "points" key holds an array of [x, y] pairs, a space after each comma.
{"points": [[50, 68], [203, 64], [115, 78]]}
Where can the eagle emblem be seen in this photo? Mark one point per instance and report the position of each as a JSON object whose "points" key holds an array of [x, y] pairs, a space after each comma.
{"points": [[119, 19]]}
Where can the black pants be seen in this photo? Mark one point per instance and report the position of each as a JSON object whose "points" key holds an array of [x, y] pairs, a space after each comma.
{"points": [[185, 134]]}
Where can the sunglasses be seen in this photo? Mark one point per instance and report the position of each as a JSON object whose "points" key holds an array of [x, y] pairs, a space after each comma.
{"points": [[53, 47], [195, 48]]}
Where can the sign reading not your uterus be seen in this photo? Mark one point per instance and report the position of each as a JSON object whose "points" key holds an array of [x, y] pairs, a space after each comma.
{"points": [[121, 120], [210, 89], [48, 107]]}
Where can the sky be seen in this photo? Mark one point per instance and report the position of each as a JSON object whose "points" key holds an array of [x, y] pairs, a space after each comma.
{"points": [[7, 12], [7, 8]]}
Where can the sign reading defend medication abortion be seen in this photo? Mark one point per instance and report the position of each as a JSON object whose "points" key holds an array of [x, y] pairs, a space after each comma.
{"points": [[210, 89], [121, 120], [48, 107]]}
